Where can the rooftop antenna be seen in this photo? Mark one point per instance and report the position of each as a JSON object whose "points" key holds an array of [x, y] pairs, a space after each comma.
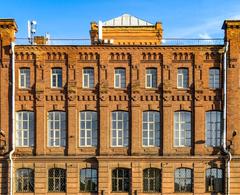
{"points": [[31, 30]]}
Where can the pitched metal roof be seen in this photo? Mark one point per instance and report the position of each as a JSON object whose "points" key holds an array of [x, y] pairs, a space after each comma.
{"points": [[126, 20]]}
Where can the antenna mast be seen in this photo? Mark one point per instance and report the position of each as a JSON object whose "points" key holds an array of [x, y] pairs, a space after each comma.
{"points": [[31, 30]]}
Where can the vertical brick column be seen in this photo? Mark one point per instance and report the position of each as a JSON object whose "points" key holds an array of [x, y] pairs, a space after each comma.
{"points": [[199, 178], [40, 115], [72, 128], [104, 128], [134, 99], [41, 178], [72, 179], [104, 178], [167, 179], [136, 177]]}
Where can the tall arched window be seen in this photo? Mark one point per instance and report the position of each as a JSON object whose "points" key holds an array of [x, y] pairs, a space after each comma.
{"points": [[214, 180], [24, 129], [151, 180], [57, 180], [88, 180], [183, 180], [25, 180], [120, 129], [88, 128], [213, 128], [182, 129], [151, 128], [56, 129], [121, 180]]}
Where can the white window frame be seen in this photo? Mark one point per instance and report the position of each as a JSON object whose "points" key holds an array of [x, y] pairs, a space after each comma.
{"points": [[26, 78], [120, 131], [56, 76], [120, 78], [216, 82], [55, 133], [149, 123], [24, 134], [87, 131], [217, 131], [181, 84], [88, 78], [178, 129], [150, 85]]}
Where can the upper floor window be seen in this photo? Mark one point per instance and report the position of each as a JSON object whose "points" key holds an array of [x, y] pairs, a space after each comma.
{"points": [[214, 78], [151, 78], [151, 128], [88, 180], [24, 129], [120, 128], [213, 128], [120, 78], [24, 180], [88, 128], [24, 78], [57, 180], [56, 128], [56, 81], [120, 180], [183, 180], [182, 78], [182, 129], [151, 180], [88, 78], [214, 180]]}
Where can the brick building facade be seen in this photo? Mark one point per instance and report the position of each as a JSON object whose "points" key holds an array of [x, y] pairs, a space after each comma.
{"points": [[118, 119]]}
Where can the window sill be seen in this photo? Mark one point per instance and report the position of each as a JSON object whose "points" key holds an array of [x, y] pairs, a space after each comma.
{"points": [[24, 89]]}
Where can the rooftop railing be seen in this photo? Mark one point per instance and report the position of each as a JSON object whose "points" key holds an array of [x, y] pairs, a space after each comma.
{"points": [[164, 42]]}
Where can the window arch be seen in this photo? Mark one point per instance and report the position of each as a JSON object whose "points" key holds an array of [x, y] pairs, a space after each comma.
{"points": [[151, 180], [182, 129], [214, 180], [121, 180], [24, 128], [88, 180], [120, 128], [56, 128], [57, 180], [24, 180], [151, 128], [183, 180], [213, 128], [88, 128]]}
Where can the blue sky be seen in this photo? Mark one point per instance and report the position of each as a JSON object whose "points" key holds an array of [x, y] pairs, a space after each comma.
{"points": [[71, 18]]}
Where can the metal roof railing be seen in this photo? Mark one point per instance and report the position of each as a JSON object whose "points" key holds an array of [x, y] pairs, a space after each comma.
{"points": [[164, 42]]}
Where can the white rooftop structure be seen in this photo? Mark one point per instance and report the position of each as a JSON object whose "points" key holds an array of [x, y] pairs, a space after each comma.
{"points": [[126, 20]]}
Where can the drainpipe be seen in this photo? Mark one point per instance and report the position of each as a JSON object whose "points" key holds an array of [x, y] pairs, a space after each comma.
{"points": [[224, 145], [13, 117]]}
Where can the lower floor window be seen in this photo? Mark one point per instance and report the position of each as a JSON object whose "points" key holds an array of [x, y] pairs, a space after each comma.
{"points": [[25, 180], [120, 180], [57, 180], [183, 180], [88, 180], [151, 180], [214, 180]]}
